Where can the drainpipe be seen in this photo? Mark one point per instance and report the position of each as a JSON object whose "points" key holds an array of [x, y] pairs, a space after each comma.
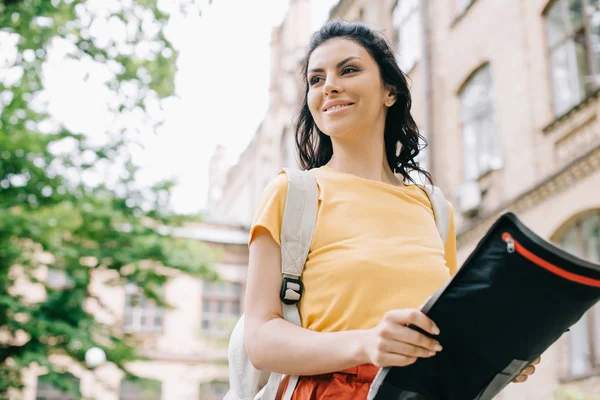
{"points": [[428, 85]]}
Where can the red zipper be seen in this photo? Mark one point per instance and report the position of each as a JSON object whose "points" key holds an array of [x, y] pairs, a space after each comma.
{"points": [[512, 245]]}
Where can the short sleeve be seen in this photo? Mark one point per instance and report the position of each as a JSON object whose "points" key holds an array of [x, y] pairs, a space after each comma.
{"points": [[269, 211], [450, 245]]}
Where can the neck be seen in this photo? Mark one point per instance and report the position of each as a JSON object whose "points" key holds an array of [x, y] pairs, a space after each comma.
{"points": [[364, 156]]}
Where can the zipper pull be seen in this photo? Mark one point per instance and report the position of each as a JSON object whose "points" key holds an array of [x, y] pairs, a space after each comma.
{"points": [[510, 244]]}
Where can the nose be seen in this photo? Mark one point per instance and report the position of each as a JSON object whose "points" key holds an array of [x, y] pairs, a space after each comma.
{"points": [[332, 86]]}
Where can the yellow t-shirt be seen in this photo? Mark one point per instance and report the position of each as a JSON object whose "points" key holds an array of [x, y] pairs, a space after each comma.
{"points": [[375, 248]]}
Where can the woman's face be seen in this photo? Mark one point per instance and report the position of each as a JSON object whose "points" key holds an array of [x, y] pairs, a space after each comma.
{"points": [[346, 94]]}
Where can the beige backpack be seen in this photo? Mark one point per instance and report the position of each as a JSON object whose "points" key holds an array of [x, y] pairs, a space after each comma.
{"points": [[297, 228]]}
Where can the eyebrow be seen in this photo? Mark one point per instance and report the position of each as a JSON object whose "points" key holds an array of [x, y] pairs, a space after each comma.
{"points": [[344, 61]]}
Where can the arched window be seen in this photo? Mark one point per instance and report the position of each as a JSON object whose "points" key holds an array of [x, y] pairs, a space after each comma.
{"points": [[481, 148], [582, 238], [572, 37], [47, 390], [409, 33], [147, 389]]}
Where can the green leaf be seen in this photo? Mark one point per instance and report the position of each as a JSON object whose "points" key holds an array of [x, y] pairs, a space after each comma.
{"points": [[44, 211]]}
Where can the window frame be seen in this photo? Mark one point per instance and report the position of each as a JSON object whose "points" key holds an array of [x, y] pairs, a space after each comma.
{"points": [[131, 395], [593, 345], [415, 12], [149, 310], [51, 392], [482, 170], [231, 296], [590, 86]]}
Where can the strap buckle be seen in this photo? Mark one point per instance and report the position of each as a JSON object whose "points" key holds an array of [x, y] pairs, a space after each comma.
{"points": [[291, 290]]}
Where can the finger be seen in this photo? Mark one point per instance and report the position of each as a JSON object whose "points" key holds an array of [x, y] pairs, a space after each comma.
{"points": [[403, 334], [537, 361], [394, 360], [414, 317], [521, 378], [529, 370], [405, 349], [415, 338]]}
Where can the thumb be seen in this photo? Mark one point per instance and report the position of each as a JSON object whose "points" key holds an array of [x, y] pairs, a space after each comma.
{"points": [[425, 302]]}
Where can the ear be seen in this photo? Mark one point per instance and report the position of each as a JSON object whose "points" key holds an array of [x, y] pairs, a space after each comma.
{"points": [[391, 96]]}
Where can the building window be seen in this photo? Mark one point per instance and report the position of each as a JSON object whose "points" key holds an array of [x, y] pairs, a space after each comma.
{"points": [[573, 34], [462, 6], [582, 239], [47, 391], [481, 150], [141, 314], [58, 279], [147, 389], [220, 307], [409, 33], [214, 390]]}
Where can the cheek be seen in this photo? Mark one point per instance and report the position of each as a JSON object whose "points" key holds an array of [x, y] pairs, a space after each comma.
{"points": [[313, 104]]}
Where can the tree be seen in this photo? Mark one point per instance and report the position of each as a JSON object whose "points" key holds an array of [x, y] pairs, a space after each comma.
{"points": [[48, 205]]}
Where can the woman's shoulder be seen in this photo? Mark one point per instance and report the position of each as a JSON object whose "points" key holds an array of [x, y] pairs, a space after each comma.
{"points": [[275, 190], [279, 183]]}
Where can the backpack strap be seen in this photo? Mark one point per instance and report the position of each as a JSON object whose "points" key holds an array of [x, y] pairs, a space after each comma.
{"points": [[441, 210], [297, 228]]}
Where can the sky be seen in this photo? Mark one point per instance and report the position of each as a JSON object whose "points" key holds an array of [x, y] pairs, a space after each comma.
{"points": [[221, 86]]}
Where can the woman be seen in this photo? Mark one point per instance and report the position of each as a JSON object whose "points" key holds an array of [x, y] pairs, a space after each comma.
{"points": [[376, 254]]}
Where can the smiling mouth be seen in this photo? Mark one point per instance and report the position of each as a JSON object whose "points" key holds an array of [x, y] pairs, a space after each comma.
{"points": [[337, 107]]}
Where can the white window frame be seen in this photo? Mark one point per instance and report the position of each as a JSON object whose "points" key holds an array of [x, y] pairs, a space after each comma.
{"points": [[46, 391], [136, 391], [141, 317], [584, 336], [572, 79], [481, 144], [221, 307], [408, 24]]}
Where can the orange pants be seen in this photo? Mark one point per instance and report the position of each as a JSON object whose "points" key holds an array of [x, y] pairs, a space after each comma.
{"points": [[352, 383]]}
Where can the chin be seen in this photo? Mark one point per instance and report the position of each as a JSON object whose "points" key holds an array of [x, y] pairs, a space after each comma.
{"points": [[341, 129]]}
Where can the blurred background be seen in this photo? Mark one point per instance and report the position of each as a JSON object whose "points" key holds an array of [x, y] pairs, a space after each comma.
{"points": [[136, 137]]}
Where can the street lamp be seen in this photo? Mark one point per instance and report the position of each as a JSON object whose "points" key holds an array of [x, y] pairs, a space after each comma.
{"points": [[94, 357]]}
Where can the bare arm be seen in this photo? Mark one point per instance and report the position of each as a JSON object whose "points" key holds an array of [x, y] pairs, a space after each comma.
{"points": [[274, 344]]}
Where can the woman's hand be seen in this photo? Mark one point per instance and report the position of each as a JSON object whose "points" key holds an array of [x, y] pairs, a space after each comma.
{"points": [[393, 343], [527, 372]]}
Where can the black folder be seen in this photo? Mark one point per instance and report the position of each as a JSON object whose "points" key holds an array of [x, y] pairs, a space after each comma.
{"points": [[512, 299]]}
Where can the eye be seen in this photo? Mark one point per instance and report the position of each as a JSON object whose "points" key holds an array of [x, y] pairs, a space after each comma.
{"points": [[348, 70], [314, 80]]}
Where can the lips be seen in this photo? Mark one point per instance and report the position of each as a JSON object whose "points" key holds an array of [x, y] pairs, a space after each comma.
{"points": [[334, 105], [333, 108]]}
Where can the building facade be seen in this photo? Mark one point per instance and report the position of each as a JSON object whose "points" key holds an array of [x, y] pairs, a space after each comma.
{"points": [[272, 146], [507, 94], [185, 347]]}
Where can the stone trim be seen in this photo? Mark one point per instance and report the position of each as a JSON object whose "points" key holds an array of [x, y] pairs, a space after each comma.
{"points": [[560, 119], [574, 172]]}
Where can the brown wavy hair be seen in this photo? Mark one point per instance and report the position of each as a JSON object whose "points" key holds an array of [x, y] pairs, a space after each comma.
{"points": [[401, 135]]}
